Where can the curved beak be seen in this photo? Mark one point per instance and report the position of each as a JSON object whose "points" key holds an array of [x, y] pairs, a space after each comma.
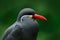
{"points": [[39, 17]]}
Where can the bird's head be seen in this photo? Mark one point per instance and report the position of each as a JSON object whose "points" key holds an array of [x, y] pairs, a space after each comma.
{"points": [[29, 14]]}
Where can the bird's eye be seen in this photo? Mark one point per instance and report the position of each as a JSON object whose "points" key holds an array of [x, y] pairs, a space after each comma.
{"points": [[22, 20]]}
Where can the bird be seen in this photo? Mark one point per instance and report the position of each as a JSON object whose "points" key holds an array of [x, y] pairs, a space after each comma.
{"points": [[25, 27]]}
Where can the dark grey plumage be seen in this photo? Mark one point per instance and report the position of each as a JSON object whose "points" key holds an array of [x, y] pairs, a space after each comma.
{"points": [[25, 30]]}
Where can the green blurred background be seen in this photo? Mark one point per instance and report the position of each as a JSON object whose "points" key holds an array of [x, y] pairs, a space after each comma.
{"points": [[48, 30]]}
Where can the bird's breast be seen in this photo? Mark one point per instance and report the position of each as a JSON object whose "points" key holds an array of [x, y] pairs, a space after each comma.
{"points": [[29, 30]]}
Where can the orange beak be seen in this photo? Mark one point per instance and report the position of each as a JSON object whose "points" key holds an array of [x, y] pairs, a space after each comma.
{"points": [[39, 17]]}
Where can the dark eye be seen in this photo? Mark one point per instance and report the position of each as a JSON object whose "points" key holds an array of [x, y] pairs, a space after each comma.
{"points": [[22, 20]]}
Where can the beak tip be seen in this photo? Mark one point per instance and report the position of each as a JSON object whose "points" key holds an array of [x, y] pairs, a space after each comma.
{"points": [[45, 19]]}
